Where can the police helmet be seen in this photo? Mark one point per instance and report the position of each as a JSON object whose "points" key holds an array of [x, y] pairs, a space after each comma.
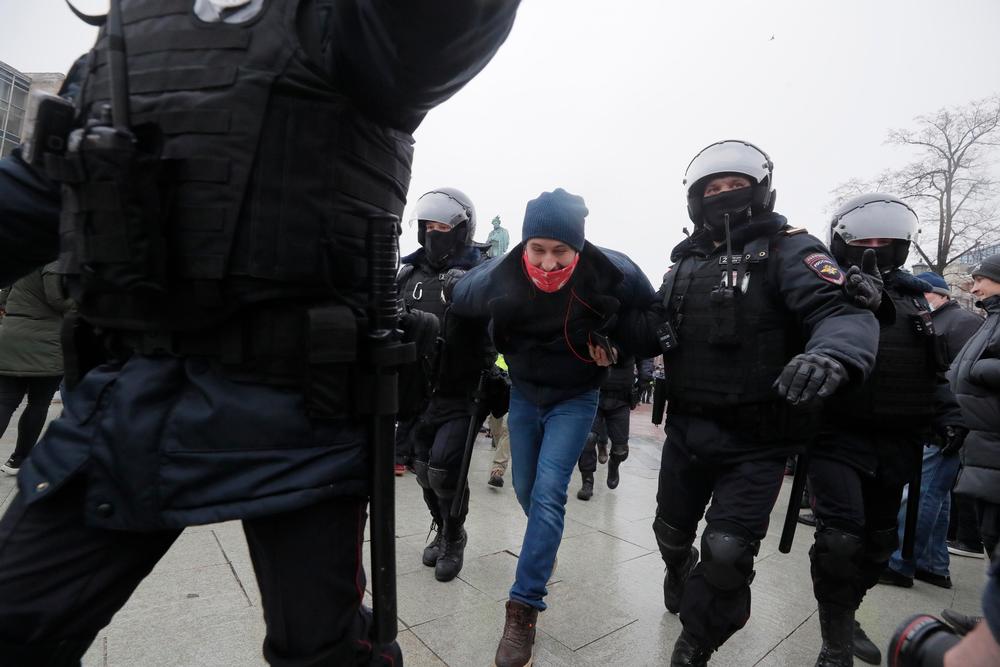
{"points": [[732, 156], [874, 216], [449, 206]]}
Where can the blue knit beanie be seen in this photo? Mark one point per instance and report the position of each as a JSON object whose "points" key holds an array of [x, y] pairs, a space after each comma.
{"points": [[555, 215], [939, 285]]}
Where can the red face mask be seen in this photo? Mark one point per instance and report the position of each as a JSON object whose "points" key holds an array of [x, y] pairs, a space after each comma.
{"points": [[549, 281]]}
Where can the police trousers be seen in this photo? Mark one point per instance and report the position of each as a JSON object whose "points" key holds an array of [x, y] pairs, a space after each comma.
{"points": [[61, 581], [864, 505], [742, 496]]}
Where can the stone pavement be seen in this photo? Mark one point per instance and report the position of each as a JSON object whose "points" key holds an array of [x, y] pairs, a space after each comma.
{"points": [[200, 606]]}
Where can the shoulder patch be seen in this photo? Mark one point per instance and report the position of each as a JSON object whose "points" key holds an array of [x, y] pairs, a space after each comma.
{"points": [[792, 231], [824, 267]]}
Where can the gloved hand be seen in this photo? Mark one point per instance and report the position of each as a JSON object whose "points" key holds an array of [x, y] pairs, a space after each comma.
{"points": [[953, 439], [864, 285], [810, 376], [449, 280]]}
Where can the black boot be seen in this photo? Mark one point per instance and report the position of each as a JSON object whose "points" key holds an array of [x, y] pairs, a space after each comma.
{"points": [[452, 557], [587, 489], [433, 548], [674, 580], [864, 648], [689, 652], [836, 624], [613, 473]]}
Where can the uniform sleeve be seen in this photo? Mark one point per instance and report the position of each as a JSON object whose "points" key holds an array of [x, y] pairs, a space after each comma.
{"points": [[636, 331], [986, 373], [29, 219], [811, 286], [400, 58]]}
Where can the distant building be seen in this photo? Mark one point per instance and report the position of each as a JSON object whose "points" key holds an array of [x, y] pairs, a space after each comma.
{"points": [[15, 88]]}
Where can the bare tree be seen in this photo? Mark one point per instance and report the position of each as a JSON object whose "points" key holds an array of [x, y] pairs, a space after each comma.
{"points": [[949, 184]]}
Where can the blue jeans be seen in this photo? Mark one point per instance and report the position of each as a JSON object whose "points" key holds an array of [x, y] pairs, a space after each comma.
{"points": [[545, 443], [930, 550]]}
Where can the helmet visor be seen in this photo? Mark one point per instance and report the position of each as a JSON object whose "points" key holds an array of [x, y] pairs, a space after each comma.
{"points": [[440, 207], [728, 157], [878, 219]]}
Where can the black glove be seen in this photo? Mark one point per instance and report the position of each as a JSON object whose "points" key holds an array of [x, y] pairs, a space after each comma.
{"points": [[810, 376], [952, 439], [864, 285], [449, 280]]}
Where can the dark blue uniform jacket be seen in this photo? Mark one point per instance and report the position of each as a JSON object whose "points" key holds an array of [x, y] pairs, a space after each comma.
{"points": [[165, 441]]}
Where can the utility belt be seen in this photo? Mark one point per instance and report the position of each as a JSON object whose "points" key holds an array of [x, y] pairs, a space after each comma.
{"points": [[314, 347], [764, 421]]}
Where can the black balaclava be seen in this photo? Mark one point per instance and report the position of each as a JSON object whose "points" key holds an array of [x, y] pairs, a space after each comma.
{"points": [[441, 246], [887, 257], [734, 202]]}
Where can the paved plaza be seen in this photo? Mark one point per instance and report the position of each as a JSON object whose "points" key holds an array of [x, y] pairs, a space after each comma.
{"points": [[200, 606]]}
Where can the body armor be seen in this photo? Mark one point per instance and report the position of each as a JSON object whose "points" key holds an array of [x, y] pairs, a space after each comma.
{"points": [[266, 176], [903, 383], [421, 288], [732, 344]]}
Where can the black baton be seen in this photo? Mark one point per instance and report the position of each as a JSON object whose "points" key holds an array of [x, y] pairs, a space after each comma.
{"points": [[470, 439], [381, 400], [912, 508], [794, 502]]}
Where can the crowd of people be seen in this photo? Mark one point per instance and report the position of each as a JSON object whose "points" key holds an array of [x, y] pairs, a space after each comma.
{"points": [[234, 341]]}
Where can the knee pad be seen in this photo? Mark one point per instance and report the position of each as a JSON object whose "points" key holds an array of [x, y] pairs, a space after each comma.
{"points": [[438, 480], [619, 452], [591, 440], [727, 559], [836, 553], [881, 544], [675, 544], [420, 469]]}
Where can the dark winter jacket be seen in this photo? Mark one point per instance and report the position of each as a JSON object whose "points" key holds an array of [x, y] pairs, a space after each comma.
{"points": [[543, 337], [955, 325], [29, 332], [975, 379]]}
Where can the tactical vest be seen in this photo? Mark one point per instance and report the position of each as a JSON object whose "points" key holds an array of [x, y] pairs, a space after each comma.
{"points": [[903, 382], [267, 176], [420, 288], [731, 348]]}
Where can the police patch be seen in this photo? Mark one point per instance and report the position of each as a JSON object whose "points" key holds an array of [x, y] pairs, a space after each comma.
{"points": [[825, 268]]}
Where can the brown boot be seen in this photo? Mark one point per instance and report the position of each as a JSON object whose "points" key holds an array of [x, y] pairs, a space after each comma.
{"points": [[518, 636]]}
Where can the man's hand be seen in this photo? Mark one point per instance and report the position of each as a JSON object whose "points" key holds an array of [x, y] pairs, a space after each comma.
{"points": [[810, 376], [600, 355], [864, 285], [953, 439]]}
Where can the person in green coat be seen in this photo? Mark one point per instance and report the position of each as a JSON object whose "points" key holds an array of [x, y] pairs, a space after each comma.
{"points": [[30, 356]]}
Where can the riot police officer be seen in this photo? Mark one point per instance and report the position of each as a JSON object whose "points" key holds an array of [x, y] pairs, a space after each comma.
{"points": [[221, 249], [619, 395], [754, 326], [870, 443], [446, 224]]}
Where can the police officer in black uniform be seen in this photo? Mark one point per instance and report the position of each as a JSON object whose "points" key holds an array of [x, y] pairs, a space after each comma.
{"points": [[871, 440], [754, 326], [446, 221], [619, 395], [220, 263]]}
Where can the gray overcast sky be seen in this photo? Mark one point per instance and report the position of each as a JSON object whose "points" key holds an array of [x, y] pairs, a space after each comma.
{"points": [[612, 99]]}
